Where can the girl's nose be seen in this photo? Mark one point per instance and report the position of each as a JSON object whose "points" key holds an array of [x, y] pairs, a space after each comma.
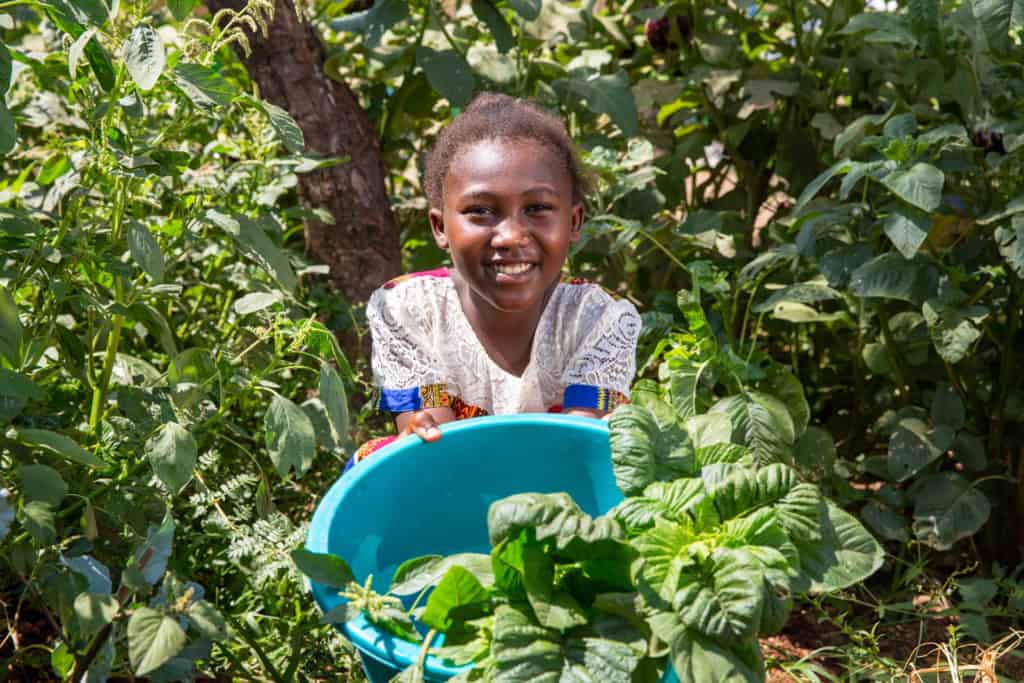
{"points": [[509, 234]]}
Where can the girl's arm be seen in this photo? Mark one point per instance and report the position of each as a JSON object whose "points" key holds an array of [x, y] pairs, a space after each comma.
{"points": [[589, 412], [423, 423]]}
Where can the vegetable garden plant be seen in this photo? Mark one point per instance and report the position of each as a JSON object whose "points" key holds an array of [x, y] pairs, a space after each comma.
{"points": [[817, 205]]}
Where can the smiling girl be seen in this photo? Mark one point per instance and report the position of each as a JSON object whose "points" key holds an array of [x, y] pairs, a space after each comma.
{"points": [[500, 331]]}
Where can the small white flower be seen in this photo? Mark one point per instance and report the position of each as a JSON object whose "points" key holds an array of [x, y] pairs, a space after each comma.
{"points": [[714, 152]]}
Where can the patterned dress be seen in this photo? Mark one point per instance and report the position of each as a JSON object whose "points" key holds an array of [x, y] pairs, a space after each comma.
{"points": [[426, 354]]}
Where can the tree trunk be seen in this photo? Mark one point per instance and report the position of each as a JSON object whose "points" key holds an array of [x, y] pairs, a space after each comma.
{"points": [[362, 247]]}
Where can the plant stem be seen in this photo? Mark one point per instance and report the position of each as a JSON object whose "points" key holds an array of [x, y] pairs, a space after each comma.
{"points": [[246, 635]]}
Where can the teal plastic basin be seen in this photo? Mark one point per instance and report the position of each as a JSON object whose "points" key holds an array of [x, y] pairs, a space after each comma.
{"points": [[414, 498]]}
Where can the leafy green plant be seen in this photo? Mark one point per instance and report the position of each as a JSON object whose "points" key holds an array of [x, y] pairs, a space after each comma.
{"points": [[704, 554]]}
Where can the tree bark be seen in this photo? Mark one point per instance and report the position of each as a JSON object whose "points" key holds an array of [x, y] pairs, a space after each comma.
{"points": [[362, 247]]}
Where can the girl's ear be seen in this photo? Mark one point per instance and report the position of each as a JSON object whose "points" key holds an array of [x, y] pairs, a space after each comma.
{"points": [[437, 228], [576, 228]]}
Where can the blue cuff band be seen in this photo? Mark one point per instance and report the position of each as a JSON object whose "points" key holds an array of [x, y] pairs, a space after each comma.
{"points": [[589, 396], [400, 400]]}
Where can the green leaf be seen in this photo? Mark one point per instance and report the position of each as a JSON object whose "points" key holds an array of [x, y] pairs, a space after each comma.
{"points": [[761, 422], [527, 9], [254, 241], [785, 386], [556, 517], [684, 387], [181, 9], [920, 185], [553, 609], [948, 408], [38, 519], [257, 301], [157, 548], [208, 620], [415, 574], [925, 21], [332, 393], [661, 500], [802, 292], [457, 589], [59, 444], [524, 650], [94, 611], [6, 69], [42, 483], [997, 18], [816, 453], [947, 508], [153, 639], [173, 454], [697, 659], [953, 328], [144, 56], [323, 568], [723, 601], [609, 94], [157, 325], [887, 523], [891, 276], [709, 429], [287, 130], [146, 251], [8, 132], [813, 187], [10, 329], [448, 73], [203, 86], [77, 50], [491, 17], [912, 447], [845, 555], [290, 438], [340, 614], [644, 451], [1011, 245], [1015, 207], [907, 230], [6, 513], [382, 17]]}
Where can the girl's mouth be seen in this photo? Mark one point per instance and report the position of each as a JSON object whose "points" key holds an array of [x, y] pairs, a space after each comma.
{"points": [[511, 272]]}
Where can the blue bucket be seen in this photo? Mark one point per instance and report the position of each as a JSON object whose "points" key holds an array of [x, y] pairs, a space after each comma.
{"points": [[414, 498]]}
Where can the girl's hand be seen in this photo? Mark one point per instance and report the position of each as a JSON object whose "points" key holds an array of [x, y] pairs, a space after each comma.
{"points": [[424, 423]]}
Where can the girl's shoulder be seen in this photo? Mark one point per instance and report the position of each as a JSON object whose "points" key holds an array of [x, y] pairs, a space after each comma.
{"points": [[422, 277], [575, 291]]}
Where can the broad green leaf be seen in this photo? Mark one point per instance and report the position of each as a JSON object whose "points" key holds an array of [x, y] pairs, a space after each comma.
{"points": [[953, 328], [251, 237], [38, 519], [802, 292], [948, 408], [709, 429], [77, 51], [527, 9], [723, 600], [10, 329], [381, 17], [6, 513], [8, 133], [323, 568], [286, 128], [72, 18], [181, 9], [42, 483], [332, 393], [813, 187], [492, 17], [920, 185], [59, 444], [415, 574], [173, 454], [156, 324], [604, 94], [95, 572], [763, 423], [890, 276], [644, 451], [448, 73], [156, 550], [684, 386], [153, 638], [816, 453], [997, 18], [457, 589], [290, 438], [925, 18], [16, 391], [208, 620], [698, 659], [89, 12], [144, 56], [886, 522], [785, 386], [93, 611], [907, 230], [660, 500], [6, 69], [846, 554], [1011, 245], [257, 301], [913, 446], [947, 508], [554, 609], [146, 251], [192, 366], [1015, 207], [556, 517], [203, 86], [523, 650], [609, 649], [491, 64]]}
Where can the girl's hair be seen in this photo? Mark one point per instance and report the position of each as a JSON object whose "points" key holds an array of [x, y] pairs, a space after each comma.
{"points": [[493, 116]]}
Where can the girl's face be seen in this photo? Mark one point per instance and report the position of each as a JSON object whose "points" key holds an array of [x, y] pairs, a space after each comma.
{"points": [[508, 220]]}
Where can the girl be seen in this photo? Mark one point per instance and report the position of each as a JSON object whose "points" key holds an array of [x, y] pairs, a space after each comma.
{"points": [[500, 331]]}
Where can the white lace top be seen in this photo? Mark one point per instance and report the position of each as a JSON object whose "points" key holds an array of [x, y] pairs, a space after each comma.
{"points": [[425, 353]]}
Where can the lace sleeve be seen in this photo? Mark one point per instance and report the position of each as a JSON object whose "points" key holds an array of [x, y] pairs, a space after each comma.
{"points": [[403, 357], [601, 367]]}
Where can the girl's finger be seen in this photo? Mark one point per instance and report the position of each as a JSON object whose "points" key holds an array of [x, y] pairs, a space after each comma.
{"points": [[428, 433]]}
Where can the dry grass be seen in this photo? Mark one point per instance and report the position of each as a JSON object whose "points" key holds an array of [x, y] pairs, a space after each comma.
{"points": [[953, 661]]}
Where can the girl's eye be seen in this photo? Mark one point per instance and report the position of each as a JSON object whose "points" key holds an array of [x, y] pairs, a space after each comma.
{"points": [[477, 211], [537, 208]]}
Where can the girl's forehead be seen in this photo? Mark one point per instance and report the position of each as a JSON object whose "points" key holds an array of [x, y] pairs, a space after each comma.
{"points": [[506, 160]]}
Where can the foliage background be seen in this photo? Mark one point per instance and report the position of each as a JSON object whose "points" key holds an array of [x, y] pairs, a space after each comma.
{"points": [[817, 205]]}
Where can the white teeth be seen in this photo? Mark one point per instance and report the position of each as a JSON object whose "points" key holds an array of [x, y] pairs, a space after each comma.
{"points": [[512, 268]]}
